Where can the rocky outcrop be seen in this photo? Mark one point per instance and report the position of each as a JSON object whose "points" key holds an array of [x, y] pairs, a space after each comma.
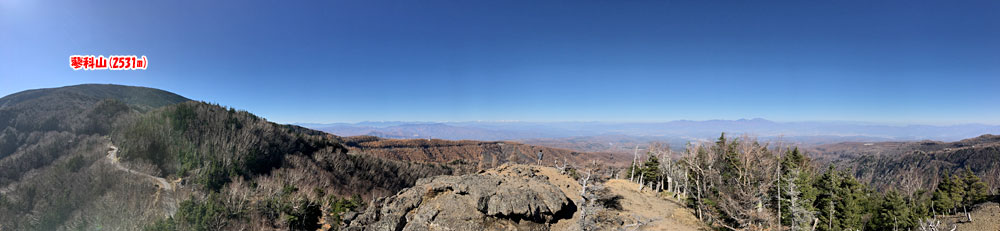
{"points": [[514, 199]]}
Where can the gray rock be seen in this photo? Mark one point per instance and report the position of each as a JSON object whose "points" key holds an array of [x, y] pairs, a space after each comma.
{"points": [[519, 200]]}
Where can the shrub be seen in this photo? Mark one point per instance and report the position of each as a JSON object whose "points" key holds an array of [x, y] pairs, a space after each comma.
{"points": [[75, 163]]}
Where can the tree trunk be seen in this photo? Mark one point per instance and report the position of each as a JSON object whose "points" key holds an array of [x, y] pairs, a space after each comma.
{"points": [[830, 226], [685, 184], [635, 157], [779, 191], [641, 175], [967, 215], [670, 183], [933, 213], [698, 191], [894, 223]]}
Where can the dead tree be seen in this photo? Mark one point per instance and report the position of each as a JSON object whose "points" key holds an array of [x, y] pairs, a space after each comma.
{"points": [[583, 190], [641, 175], [930, 224], [635, 159], [696, 162], [743, 194], [684, 191], [668, 173], [967, 215], [778, 183], [562, 169]]}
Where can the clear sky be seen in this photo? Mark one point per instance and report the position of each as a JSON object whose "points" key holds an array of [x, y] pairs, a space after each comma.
{"points": [[346, 61]]}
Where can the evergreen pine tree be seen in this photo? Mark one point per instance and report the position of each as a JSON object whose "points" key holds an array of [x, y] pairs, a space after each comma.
{"points": [[957, 192], [794, 174], [921, 204], [893, 214], [942, 199], [850, 210], [827, 186], [975, 189], [651, 168], [840, 201], [798, 217]]}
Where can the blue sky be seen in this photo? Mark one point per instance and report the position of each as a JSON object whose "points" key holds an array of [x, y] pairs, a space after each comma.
{"points": [[343, 61]]}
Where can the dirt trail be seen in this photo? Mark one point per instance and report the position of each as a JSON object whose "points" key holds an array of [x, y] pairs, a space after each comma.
{"points": [[113, 159], [665, 214], [164, 191]]}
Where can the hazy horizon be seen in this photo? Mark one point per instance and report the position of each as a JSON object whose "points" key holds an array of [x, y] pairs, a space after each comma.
{"points": [[886, 123]]}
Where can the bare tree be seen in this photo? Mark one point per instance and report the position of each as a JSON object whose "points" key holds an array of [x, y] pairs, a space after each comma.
{"points": [[778, 182], [931, 224], [641, 183], [750, 164], [698, 161], [635, 159], [562, 169]]}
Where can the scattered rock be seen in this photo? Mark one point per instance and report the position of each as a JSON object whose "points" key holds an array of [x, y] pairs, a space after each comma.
{"points": [[512, 199]]}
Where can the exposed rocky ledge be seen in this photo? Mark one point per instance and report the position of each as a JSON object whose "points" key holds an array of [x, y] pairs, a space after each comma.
{"points": [[514, 198]]}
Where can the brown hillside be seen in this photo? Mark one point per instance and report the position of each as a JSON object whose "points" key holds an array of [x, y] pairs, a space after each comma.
{"points": [[481, 154], [911, 166]]}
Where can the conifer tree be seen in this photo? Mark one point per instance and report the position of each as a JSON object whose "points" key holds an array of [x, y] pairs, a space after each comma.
{"points": [[651, 168], [799, 216], [794, 174], [839, 202], [974, 191], [849, 205], [827, 187], [943, 198], [957, 192], [893, 214]]}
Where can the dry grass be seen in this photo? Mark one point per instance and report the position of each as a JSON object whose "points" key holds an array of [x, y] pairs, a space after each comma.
{"points": [[985, 217], [666, 214]]}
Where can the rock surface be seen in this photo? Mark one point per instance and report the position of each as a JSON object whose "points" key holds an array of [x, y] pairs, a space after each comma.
{"points": [[512, 199]]}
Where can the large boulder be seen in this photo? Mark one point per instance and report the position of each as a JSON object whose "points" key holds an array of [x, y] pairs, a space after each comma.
{"points": [[516, 199]]}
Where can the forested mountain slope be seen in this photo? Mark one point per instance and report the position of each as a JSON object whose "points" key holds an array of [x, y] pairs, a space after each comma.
{"points": [[245, 168], [51, 141], [912, 166], [227, 169], [85, 109]]}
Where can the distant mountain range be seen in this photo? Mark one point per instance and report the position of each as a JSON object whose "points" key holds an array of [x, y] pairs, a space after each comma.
{"points": [[598, 136]]}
